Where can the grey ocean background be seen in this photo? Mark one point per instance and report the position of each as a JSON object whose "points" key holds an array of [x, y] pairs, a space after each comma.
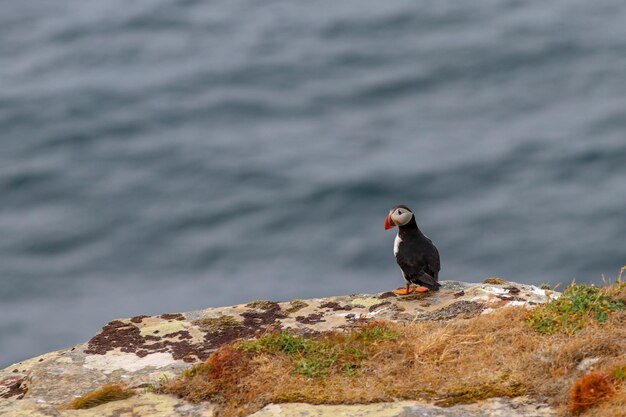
{"points": [[163, 156]]}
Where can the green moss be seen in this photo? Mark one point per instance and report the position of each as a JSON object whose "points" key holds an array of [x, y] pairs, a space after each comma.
{"points": [[544, 286], [278, 342], [314, 358], [578, 306], [495, 281], [371, 334], [106, 394], [261, 304], [296, 305], [213, 324], [620, 373], [189, 372]]}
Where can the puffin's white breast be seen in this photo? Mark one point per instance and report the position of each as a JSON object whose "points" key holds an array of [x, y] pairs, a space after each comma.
{"points": [[396, 244]]}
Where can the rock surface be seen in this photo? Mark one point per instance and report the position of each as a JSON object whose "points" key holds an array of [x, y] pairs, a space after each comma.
{"points": [[516, 407], [144, 350]]}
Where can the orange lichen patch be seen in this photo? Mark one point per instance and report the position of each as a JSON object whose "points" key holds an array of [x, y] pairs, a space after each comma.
{"points": [[589, 391], [448, 361], [103, 395]]}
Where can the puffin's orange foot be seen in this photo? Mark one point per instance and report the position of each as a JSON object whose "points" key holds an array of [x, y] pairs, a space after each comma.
{"points": [[421, 289], [402, 291]]}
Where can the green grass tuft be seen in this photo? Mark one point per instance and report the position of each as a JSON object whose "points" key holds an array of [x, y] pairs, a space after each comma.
{"points": [[495, 281], [261, 304], [295, 305], [620, 373], [313, 358], [214, 324], [371, 334], [578, 306]]}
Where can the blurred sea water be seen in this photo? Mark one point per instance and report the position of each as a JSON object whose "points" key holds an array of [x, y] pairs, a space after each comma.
{"points": [[163, 155]]}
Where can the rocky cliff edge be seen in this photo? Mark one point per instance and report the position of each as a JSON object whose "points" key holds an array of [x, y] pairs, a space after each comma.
{"points": [[143, 351]]}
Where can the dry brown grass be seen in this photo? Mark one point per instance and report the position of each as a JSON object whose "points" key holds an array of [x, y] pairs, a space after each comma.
{"points": [[495, 355], [103, 395]]}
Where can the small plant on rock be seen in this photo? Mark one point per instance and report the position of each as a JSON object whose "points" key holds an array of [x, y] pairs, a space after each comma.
{"points": [[103, 395], [578, 306]]}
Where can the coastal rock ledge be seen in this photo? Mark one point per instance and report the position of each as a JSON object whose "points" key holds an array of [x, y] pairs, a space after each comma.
{"points": [[141, 352]]}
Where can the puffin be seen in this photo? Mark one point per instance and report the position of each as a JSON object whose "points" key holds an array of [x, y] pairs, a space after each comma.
{"points": [[415, 253]]}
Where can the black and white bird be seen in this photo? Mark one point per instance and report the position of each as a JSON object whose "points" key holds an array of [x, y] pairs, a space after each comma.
{"points": [[415, 253]]}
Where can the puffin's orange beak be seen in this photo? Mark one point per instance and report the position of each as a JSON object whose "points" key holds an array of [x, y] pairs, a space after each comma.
{"points": [[388, 223]]}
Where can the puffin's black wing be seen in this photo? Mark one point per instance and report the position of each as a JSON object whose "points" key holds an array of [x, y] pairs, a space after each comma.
{"points": [[434, 262], [420, 263]]}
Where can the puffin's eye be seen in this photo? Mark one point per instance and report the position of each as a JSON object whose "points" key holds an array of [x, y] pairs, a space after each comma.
{"points": [[399, 211]]}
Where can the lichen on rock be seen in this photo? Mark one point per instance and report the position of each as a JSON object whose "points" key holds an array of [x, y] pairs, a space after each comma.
{"points": [[139, 351]]}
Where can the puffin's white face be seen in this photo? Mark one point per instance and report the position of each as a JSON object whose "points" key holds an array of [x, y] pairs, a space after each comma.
{"points": [[398, 216], [401, 216]]}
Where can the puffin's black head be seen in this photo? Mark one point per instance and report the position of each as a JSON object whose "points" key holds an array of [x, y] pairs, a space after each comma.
{"points": [[398, 216]]}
